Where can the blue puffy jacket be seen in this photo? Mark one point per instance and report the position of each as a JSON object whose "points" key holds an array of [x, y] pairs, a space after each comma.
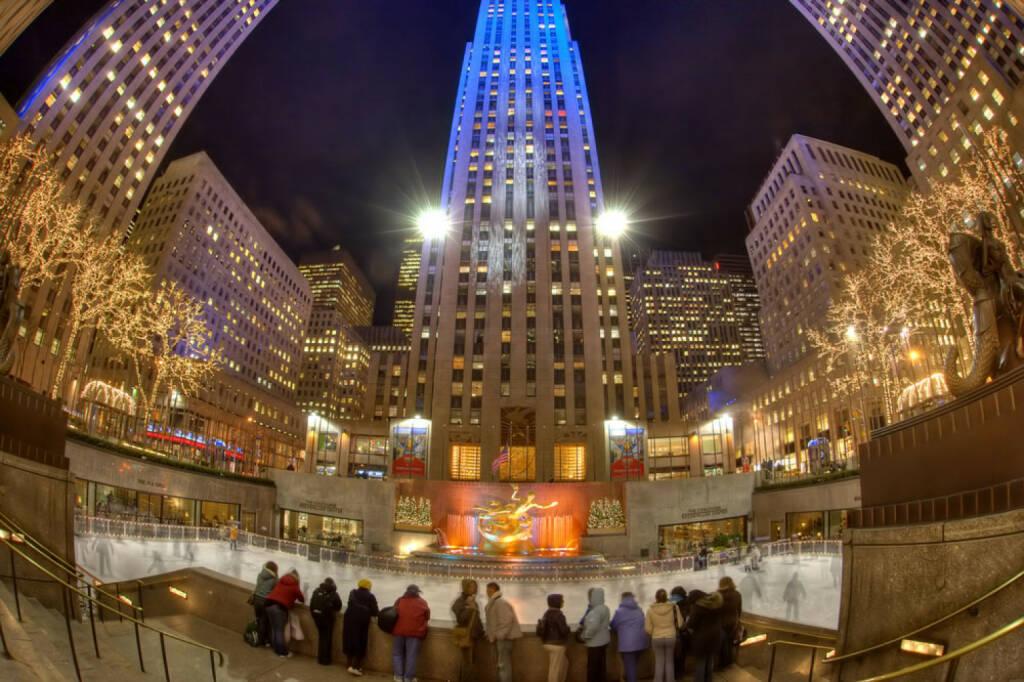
{"points": [[628, 624]]}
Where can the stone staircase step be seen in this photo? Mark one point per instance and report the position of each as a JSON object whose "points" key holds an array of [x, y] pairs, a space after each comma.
{"points": [[735, 673], [23, 662]]}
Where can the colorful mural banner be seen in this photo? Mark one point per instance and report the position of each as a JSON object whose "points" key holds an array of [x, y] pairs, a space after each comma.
{"points": [[409, 451], [626, 452]]}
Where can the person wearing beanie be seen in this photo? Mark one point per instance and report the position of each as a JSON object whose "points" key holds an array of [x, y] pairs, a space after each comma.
{"points": [[409, 632], [705, 625], [355, 632], [732, 609], [554, 633], [324, 606], [468, 628], [502, 630]]}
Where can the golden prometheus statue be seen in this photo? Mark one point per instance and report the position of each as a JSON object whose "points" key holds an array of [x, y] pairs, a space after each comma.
{"points": [[506, 528]]}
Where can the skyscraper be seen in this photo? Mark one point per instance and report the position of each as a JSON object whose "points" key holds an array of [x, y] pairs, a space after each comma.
{"points": [[940, 72], [405, 293], [520, 321], [113, 99], [691, 317], [335, 357], [811, 221], [195, 230], [15, 16]]}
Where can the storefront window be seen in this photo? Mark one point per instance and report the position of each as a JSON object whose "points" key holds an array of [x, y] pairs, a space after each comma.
{"points": [[325, 530], [570, 462], [217, 513], [81, 495], [180, 510], [686, 538], [805, 525], [465, 462], [115, 501]]}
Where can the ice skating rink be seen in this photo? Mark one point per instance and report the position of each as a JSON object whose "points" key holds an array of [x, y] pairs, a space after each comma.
{"points": [[811, 582]]}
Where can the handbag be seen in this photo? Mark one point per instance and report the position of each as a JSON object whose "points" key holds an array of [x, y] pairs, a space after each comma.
{"points": [[387, 618], [462, 635], [295, 627]]}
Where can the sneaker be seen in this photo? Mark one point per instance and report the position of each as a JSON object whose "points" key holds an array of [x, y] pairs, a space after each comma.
{"points": [[355, 671], [397, 678]]}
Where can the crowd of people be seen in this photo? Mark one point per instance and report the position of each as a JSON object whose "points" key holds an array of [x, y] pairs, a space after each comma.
{"points": [[704, 627]]}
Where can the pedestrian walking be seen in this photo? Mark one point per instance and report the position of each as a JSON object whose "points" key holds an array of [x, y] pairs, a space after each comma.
{"points": [[324, 605], [409, 631], [279, 603], [554, 633], [705, 626], [732, 610], [594, 633], [628, 624], [663, 622], [502, 630], [265, 582], [468, 628], [355, 629]]}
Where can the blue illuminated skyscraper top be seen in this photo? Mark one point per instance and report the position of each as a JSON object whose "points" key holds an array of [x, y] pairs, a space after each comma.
{"points": [[521, 332]]}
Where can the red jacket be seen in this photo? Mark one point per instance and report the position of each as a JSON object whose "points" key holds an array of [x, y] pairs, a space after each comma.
{"points": [[286, 592], [413, 614]]}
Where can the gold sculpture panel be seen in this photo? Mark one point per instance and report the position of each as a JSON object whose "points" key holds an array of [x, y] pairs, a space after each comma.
{"points": [[506, 528]]}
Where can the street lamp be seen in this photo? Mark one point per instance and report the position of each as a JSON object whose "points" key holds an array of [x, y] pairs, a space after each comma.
{"points": [[612, 224], [432, 223]]}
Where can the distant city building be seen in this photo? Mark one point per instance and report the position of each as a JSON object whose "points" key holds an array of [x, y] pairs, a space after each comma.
{"points": [[113, 99], [520, 343], [386, 385], [196, 231], [812, 221], [335, 357], [404, 315], [690, 318], [746, 302], [940, 72], [15, 16]]}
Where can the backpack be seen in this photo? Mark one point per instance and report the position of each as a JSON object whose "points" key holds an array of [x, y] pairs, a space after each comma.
{"points": [[252, 634], [320, 602], [387, 618]]}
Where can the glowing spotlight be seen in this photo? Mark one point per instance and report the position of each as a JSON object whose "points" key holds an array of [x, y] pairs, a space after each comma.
{"points": [[432, 223], [851, 333], [612, 224]]}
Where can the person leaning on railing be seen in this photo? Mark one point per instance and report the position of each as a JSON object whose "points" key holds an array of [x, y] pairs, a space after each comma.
{"points": [[265, 582]]}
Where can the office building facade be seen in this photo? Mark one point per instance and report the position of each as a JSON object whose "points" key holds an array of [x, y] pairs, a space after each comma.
{"points": [[520, 339], [405, 292], [940, 72]]}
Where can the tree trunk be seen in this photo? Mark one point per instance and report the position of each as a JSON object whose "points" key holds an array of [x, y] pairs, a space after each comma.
{"points": [[68, 354]]}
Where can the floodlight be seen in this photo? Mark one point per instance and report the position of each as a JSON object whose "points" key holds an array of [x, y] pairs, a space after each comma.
{"points": [[432, 223], [612, 223]]}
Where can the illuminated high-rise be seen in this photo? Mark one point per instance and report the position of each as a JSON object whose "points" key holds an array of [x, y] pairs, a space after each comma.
{"points": [[940, 72], [520, 337], [405, 291]]}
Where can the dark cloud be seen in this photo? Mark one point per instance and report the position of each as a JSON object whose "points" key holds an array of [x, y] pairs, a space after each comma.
{"points": [[332, 119]]}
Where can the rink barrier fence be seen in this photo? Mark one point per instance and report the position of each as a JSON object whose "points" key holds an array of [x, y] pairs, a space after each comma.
{"points": [[611, 568]]}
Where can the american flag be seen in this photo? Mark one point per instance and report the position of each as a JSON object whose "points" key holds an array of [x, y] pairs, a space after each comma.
{"points": [[502, 458]]}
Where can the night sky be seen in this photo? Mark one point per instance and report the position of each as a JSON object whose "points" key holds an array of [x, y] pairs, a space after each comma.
{"points": [[332, 119]]}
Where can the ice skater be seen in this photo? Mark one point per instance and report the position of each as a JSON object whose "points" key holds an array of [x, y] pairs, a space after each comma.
{"points": [[792, 595]]}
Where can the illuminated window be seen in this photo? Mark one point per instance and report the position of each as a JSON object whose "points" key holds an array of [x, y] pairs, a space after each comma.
{"points": [[521, 465], [570, 462], [465, 462]]}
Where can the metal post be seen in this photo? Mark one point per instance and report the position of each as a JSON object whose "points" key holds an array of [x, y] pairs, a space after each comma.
{"points": [[71, 639], [138, 646], [771, 666], [810, 674], [163, 652], [117, 600], [92, 622], [213, 666], [7, 652], [138, 594], [14, 584]]}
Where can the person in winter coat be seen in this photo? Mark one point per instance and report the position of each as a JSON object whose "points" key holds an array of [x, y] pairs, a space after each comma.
{"points": [[324, 605], [628, 624], [279, 602], [467, 615], [678, 597], [662, 623], [595, 634], [705, 627], [502, 630], [355, 632], [409, 632], [264, 584], [554, 633], [732, 609]]}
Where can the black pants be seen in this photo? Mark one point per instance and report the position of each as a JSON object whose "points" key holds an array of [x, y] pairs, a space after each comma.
{"points": [[325, 636], [260, 608], [596, 670]]}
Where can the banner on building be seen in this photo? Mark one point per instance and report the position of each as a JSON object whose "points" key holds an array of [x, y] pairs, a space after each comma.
{"points": [[626, 451], [409, 450]]}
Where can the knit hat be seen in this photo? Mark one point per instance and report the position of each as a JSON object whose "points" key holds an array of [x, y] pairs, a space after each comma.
{"points": [[364, 582]]}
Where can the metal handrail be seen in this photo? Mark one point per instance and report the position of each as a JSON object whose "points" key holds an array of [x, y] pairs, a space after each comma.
{"points": [[136, 623], [802, 644], [53, 556], [930, 625], [953, 655], [814, 650]]}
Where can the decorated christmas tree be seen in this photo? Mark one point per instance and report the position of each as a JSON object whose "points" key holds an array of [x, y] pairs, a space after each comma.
{"points": [[410, 511], [606, 513]]}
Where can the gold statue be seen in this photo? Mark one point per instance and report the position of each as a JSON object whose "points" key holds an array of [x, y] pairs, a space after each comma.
{"points": [[506, 528]]}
